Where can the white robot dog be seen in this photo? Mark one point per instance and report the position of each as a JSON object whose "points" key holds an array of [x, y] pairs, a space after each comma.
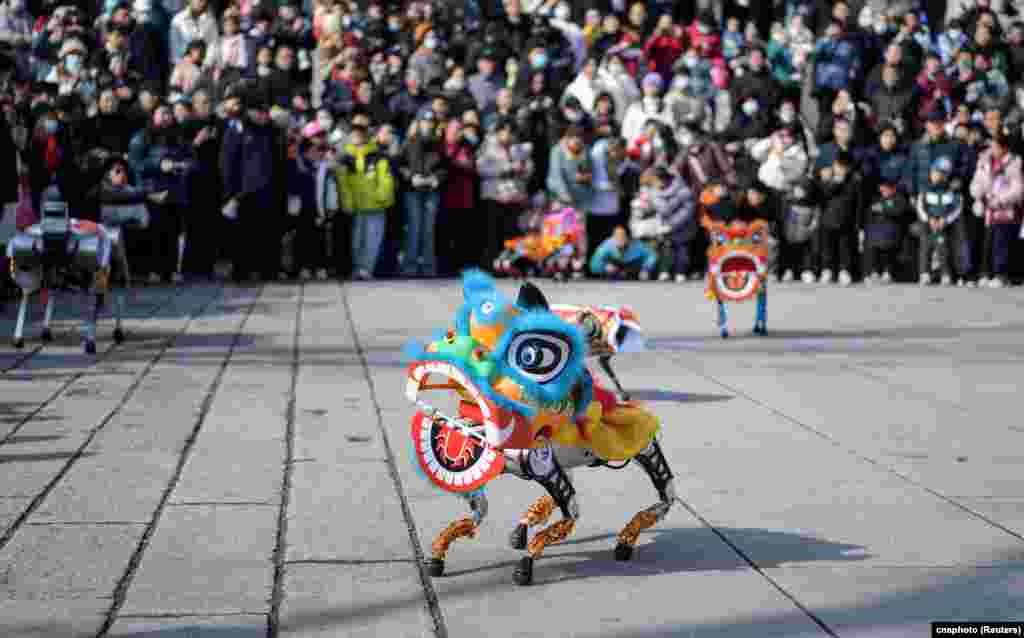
{"points": [[64, 253]]}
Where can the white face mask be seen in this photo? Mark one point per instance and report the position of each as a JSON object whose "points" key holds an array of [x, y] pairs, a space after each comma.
{"points": [[17, 5], [617, 69], [652, 103], [681, 83], [750, 108], [430, 43], [73, 63], [326, 121], [787, 116], [562, 12], [454, 85]]}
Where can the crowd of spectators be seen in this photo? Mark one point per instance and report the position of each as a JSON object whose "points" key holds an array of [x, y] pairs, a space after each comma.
{"points": [[371, 138]]}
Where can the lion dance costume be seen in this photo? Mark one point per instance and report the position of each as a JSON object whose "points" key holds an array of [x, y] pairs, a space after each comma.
{"points": [[529, 407], [551, 249], [737, 263]]}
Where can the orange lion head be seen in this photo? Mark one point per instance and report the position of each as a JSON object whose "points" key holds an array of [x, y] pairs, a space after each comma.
{"points": [[737, 259]]}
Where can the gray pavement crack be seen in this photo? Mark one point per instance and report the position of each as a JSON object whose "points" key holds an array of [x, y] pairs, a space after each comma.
{"points": [[280, 546], [93, 432], [121, 589], [433, 605]]}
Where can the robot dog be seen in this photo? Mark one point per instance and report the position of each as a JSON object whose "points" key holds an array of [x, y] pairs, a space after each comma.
{"points": [[528, 407], [64, 253]]}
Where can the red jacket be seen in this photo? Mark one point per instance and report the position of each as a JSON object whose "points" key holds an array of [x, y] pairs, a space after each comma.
{"points": [[662, 51], [460, 187]]}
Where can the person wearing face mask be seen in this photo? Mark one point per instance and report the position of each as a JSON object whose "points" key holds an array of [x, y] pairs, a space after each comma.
{"points": [[160, 153], [313, 193], [49, 157], [751, 122], [16, 25], [758, 82], [455, 247], [503, 187], [570, 176], [572, 32], [651, 106], [424, 167], [253, 165], [838, 64], [428, 59], [195, 22], [664, 46], [454, 88], [516, 26]]}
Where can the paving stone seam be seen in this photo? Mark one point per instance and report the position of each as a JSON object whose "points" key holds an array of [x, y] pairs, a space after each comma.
{"points": [[94, 432], [430, 594], [100, 358], [39, 347], [859, 456], [121, 589], [280, 546]]}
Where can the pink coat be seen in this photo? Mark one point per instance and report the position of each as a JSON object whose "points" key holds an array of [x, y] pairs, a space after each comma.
{"points": [[998, 194]]}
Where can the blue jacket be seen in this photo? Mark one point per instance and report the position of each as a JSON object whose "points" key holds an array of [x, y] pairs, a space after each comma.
{"points": [[924, 153], [609, 253], [835, 62]]}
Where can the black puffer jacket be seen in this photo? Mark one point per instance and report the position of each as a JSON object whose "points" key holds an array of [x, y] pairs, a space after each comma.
{"points": [[424, 157]]}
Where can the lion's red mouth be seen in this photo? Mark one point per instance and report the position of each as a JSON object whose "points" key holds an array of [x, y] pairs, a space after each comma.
{"points": [[737, 275]]}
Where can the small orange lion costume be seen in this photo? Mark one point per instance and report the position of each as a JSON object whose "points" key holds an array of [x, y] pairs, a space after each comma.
{"points": [[737, 261]]}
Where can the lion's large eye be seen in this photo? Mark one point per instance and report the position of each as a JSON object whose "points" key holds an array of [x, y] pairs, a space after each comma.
{"points": [[721, 238], [539, 356], [756, 238], [487, 307]]}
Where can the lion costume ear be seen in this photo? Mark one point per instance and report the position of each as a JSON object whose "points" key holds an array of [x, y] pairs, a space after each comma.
{"points": [[531, 298], [476, 283]]}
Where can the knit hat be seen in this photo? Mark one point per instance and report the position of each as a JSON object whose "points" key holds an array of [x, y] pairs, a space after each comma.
{"points": [[942, 165], [653, 79], [71, 46], [312, 129]]}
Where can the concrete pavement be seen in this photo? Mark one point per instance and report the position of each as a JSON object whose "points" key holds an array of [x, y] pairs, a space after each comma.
{"points": [[241, 466]]}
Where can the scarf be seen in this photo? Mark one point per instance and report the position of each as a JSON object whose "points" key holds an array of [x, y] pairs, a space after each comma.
{"points": [[52, 153]]}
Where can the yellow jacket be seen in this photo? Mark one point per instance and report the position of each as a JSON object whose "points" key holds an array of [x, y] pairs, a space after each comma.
{"points": [[365, 180]]}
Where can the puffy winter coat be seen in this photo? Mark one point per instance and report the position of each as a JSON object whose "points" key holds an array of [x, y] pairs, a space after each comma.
{"points": [[367, 183], [998, 189], [779, 173], [675, 205]]}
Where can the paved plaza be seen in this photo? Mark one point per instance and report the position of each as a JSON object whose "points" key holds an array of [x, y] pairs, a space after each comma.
{"points": [[241, 467]]}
